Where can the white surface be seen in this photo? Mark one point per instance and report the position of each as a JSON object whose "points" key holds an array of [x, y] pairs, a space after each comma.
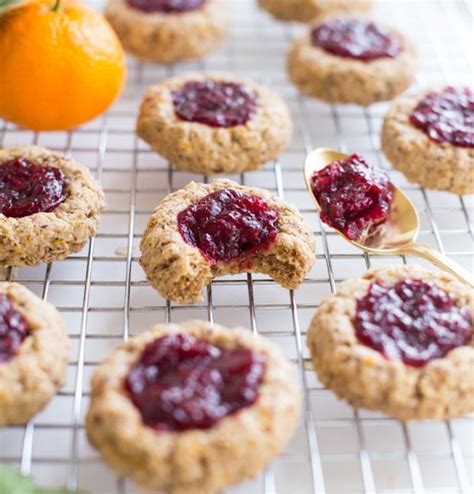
{"points": [[103, 295]]}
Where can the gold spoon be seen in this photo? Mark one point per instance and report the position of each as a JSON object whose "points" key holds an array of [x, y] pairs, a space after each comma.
{"points": [[401, 230]]}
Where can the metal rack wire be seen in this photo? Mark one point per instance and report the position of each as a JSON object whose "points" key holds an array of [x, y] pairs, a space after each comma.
{"points": [[104, 298]]}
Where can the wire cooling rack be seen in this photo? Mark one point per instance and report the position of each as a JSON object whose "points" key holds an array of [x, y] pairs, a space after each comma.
{"points": [[104, 297]]}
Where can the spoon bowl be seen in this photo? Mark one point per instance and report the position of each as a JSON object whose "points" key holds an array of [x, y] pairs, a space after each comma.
{"points": [[400, 231]]}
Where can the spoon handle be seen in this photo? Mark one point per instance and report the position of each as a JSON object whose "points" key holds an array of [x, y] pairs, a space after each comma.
{"points": [[441, 261]]}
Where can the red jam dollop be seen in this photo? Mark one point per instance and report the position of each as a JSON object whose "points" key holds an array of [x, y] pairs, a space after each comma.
{"points": [[354, 197], [413, 321], [217, 104], [356, 38], [182, 383], [27, 188], [447, 116], [166, 6], [228, 224], [13, 329]]}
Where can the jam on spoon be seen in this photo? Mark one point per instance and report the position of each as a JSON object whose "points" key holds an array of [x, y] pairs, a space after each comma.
{"points": [[398, 235], [354, 197], [180, 382]]}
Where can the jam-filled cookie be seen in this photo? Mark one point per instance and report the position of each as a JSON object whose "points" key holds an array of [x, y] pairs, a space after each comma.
{"points": [[168, 31], [429, 136], [209, 230], [192, 408], [347, 59], [214, 124], [50, 206], [399, 340], [307, 10], [34, 351]]}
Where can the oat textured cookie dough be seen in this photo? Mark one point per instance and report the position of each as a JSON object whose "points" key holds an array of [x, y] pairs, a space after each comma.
{"points": [[179, 270], [434, 165], [195, 460], [208, 148], [322, 74], [31, 374], [48, 236], [307, 10], [170, 34], [439, 389]]}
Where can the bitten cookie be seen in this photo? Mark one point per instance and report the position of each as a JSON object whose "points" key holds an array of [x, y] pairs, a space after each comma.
{"points": [[429, 137], [214, 124], [204, 231], [168, 31], [233, 406], [307, 10], [398, 340], [49, 206], [351, 60], [34, 352]]}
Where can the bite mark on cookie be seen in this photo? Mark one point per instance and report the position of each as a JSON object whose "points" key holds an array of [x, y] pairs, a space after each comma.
{"points": [[178, 269]]}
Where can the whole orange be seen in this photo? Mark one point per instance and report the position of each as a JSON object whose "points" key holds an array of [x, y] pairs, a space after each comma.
{"points": [[60, 65]]}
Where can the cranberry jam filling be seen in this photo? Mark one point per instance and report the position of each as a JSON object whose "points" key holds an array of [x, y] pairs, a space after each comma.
{"points": [[447, 116], [228, 224], [354, 197], [166, 6], [182, 383], [26, 188], [13, 329], [217, 104], [412, 321], [356, 38]]}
